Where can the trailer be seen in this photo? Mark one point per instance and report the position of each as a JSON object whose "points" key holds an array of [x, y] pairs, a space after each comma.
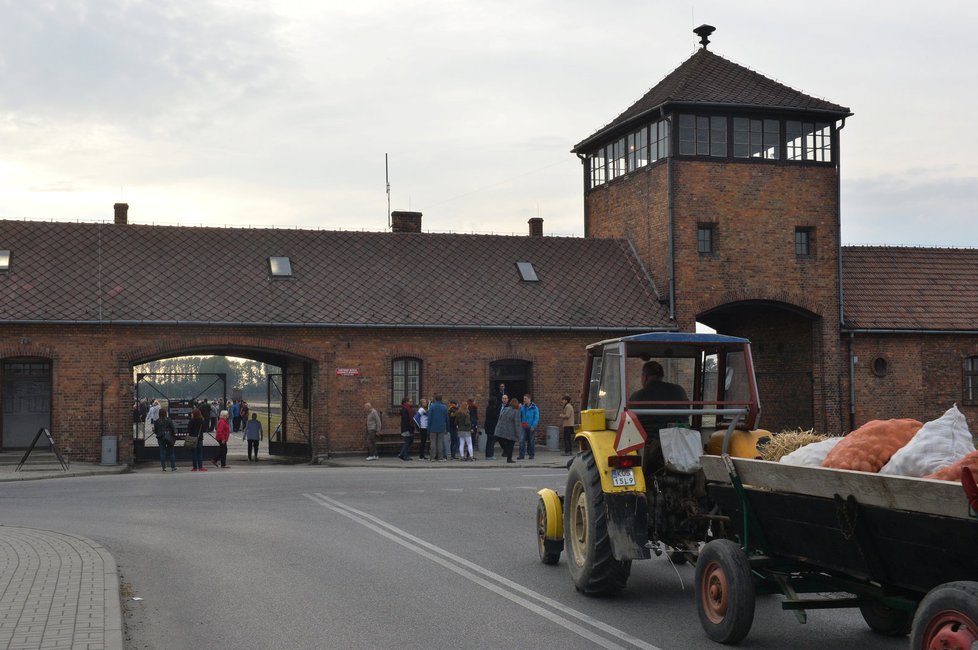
{"points": [[902, 550]]}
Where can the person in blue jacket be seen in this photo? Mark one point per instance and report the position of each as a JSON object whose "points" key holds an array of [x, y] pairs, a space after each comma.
{"points": [[438, 429], [529, 419]]}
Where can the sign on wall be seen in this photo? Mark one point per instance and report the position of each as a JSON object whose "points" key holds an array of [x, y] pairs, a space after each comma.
{"points": [[347, 372]]}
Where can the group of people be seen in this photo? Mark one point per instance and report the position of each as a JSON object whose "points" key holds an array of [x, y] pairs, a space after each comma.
{"points": [[166, 435], [449, 431]]}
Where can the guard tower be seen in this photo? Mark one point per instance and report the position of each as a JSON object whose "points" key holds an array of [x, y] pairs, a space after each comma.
{"points": [[727, 184]]}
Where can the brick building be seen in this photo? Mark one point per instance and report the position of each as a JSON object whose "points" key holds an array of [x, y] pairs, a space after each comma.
{"points": [[713, 199], [348, 317], [727, 183]]}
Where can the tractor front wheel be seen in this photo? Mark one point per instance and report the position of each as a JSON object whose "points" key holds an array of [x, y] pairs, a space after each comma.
{"points": [[593, 567]]}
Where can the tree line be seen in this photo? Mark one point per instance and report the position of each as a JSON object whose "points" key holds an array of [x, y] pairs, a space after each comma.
{"points": [[185, 377]]}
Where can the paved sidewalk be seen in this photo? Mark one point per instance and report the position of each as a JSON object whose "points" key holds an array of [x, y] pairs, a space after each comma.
{"points": [[57, 591]]}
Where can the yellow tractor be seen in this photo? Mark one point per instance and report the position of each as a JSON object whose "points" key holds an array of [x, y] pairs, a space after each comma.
{"points": [[651, 404]]}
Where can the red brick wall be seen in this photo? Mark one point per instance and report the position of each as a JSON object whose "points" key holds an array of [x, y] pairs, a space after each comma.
{"points": [[924, 376], [92, 372]]}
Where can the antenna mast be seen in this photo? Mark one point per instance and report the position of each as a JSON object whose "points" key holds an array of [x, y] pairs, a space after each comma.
{"points": [[387, 179]]}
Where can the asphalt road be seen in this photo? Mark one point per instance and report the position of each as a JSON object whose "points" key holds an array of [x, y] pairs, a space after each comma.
{"points": [[318, 557]]}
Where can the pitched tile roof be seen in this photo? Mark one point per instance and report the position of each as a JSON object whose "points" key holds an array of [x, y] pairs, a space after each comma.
{"points": [[888, 287], [708, 78], [133, 273]]}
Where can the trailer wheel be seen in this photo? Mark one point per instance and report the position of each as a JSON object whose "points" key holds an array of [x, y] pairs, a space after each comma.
{"points": [[886, 620], [724, 591], [546, 556], [593, 567], [947, 618]]}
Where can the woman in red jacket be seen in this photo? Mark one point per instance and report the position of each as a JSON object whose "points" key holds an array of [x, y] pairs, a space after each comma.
{"points": [[222, 435]]}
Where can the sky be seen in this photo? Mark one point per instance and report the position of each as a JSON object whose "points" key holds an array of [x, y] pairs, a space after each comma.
{"points": [[280, 113]]}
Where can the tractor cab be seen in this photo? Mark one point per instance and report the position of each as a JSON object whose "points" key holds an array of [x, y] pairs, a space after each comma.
{"points": [[640, 384]]}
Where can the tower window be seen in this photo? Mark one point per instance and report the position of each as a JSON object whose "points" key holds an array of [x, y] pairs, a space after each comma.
{"points": [[638, 149], [755, 138], [702, 136], [705, 236], [597, 168], [808, 141], [804, 242]]}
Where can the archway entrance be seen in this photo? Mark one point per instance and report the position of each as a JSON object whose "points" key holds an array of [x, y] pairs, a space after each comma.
{"points": [[280, 395], [784, 342]]}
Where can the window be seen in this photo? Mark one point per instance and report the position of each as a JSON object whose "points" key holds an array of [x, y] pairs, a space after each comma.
{"points": [[4, 261], [280, 267], [616, 159], [804, 242], [880, 367], [638, 149], [527, 272], [808, 141], [702, 136], [971, 379], [405, 380], [659, 135], [755, 138], [704, 238], [597, 168]]}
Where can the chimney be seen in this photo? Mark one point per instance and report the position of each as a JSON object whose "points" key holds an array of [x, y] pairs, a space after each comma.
{"points": [[536, 227], [402, 221], [121, 213]]}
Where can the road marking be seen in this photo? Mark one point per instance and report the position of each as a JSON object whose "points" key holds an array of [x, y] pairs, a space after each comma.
{"points": [[492, 489], [483, 576], [452, 489]]}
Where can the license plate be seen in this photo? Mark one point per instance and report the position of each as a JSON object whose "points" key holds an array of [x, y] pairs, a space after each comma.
{"points": [[622, 477]]}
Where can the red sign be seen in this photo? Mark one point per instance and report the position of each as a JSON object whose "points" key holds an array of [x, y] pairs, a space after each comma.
{"points": [[347, 372]]}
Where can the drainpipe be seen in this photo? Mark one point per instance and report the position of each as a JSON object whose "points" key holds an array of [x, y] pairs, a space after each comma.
{"points": [[838, 219], [584, 166], [852, 382], [671, 205]]}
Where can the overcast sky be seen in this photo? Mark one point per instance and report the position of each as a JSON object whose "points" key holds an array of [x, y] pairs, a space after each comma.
{"points": [[248, 112]]}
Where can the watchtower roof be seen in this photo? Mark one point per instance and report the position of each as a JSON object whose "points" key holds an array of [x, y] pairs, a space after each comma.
{"points": [[709, 80]]}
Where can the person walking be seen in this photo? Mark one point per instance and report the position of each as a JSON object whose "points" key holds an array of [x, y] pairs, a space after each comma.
{"points": [[421, 421], [529, 419], [438, 429], [152, 415], [195, 429], [236, 415], [373, 428], [254, 435], [407, 428], [222, 435], [452, 428], [567, 422], [492, 416], [508, 428], [464, 426], [166, 436], [215, 413]]}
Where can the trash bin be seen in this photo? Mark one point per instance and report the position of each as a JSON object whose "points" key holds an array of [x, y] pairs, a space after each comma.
{"points": [[553, 438], [110, 450]]}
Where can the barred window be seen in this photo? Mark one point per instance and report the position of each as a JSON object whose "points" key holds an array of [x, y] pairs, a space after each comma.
{"points": [[405, 380]]}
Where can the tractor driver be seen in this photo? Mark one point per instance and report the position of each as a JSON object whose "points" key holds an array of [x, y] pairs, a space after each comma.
{"points": [[654, 389]]}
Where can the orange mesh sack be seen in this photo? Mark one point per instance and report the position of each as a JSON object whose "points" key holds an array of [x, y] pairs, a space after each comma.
{"points": [[953, 472], [870, 446]]}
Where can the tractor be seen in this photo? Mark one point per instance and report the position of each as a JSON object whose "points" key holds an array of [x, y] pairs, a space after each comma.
{"points": [[650, 405]]}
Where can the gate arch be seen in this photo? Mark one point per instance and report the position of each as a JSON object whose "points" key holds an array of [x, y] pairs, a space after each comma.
{"points": [[786, 345]]}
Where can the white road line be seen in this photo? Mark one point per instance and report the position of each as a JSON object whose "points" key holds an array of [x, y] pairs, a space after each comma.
{"points": [[452, 489], [506, 587], [492, 489]]}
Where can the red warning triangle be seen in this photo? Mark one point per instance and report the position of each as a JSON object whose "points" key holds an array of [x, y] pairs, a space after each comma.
{"points": [[631, 434]]}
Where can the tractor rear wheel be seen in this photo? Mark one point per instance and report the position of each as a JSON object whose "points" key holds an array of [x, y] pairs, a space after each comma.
{"points": [[592, 564]]}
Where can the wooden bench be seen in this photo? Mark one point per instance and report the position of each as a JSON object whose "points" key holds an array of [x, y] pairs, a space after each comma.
{"points": [[389, 444]]}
